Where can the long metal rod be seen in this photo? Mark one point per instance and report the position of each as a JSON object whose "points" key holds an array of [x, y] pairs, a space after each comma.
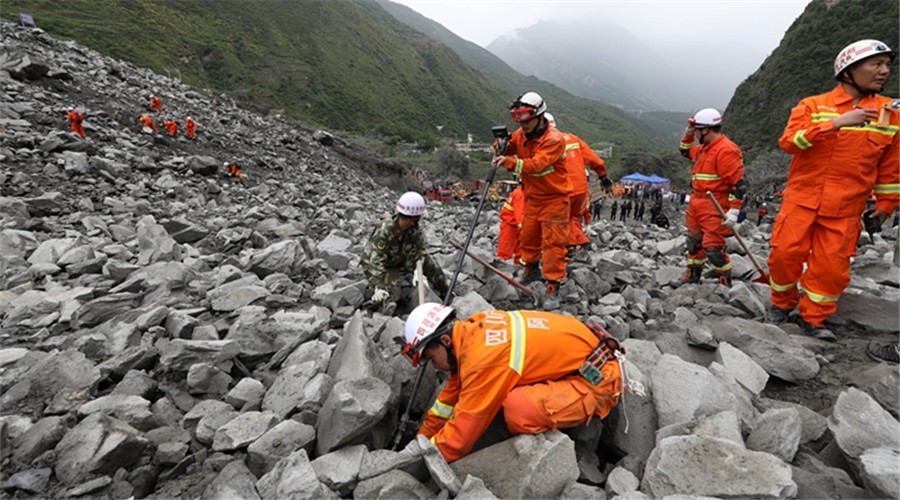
{"points": [[496, 271], [738, 236]]}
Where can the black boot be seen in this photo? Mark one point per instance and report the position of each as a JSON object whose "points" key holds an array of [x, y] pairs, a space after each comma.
{"points": [[530, 274], [691, 275], [777, 315]]}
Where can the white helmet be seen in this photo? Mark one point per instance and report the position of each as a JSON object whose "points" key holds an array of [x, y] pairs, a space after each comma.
{"points": [[225, 164], [550, 119], [422, 327], [526, 107], [708, 117], [857, 51], [411, 204]]}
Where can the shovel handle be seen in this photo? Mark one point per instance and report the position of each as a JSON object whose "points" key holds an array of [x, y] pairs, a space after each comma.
{"points": [[736, 235]]}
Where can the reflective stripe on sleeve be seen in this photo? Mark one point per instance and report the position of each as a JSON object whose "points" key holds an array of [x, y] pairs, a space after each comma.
{"points": [[887, 188], [890, 130], [800, 140], [518, 169], [572, 146], [686, 145], [823, 117], [441, 410], [508, 207], [517, 345], [781, 288]]}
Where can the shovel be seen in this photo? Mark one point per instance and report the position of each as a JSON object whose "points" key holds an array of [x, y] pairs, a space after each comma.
{"points": [[763, 276]]}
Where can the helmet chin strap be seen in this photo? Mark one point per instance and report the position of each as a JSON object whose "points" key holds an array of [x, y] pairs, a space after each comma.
{"points": [[852, 82]]}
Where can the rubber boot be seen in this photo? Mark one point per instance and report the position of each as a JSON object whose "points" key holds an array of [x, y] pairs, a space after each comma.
{"points": [[817, 331], [724, 278], [691, 275], [530, 274], [777, 315]]}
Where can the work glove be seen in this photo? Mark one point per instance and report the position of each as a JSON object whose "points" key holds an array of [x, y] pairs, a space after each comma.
{"points": [[731, 217], [380, 295], [606, 183], [412, 448]]}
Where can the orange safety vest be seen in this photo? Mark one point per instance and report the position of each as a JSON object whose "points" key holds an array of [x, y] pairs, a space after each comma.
{"points": [[513, 211], [171, 127], [717, 167], [541, 162], [834, 171], [498, 351], [578, 156]]}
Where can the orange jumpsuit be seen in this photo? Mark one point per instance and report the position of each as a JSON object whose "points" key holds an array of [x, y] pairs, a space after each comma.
{"points": [[190, 129], [75, 122], [545, 229], [171, 127], [147, 122], [156, 104], [578, 156], [830, 178], [525, 362], [717, 167], [509, 245]]}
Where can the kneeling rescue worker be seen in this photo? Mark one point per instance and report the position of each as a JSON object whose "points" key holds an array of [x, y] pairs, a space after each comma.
{"points": [[547, 371], [844, 145], [717, 166]]}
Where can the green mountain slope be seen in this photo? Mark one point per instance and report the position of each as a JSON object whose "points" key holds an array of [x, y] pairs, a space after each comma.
{"points": [[803, 65], [348, 65], [592, 120]]}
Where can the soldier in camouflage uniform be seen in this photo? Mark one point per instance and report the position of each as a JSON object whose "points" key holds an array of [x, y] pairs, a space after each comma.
{"points": [[389, 258]]}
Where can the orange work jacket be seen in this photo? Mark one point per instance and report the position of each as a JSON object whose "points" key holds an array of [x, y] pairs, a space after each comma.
{"points": [[75, 117], [541, 162], [146, 121], [834, 171], [496, 352], [578, 156], [717, 167], [513, 211], [171, 127]]}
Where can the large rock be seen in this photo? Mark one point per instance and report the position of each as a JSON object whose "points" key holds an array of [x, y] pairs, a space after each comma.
{"points": [[880, 471], [876, 314], [277, 443], [698, 465], [155, 242], [234, 481], [742, 368], [776, 353], [180, 354], [243, 430], [352, 409], [98, 445], [526, 466], [777, 432], [356, 356], [280, 257], [236, 294], [683, 391], [287, 392], [339, 470], [293, 477], [860, 424]]}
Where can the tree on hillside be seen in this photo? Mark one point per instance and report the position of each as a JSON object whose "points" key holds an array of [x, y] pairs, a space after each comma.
{"points": [[452, 162]]}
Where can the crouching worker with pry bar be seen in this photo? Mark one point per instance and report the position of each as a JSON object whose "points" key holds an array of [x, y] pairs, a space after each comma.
{"points": [[546, 371]]}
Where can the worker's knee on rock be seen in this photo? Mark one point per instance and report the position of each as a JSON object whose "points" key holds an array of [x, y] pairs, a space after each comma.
{"points": [[522, 415], [716, 256]]}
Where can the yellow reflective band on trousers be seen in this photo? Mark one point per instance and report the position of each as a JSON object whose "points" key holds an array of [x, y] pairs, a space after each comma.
{"points": [[726, 267], [517, 343], [696, 262], [887, 188], [800, 140], [441, 410], [819, 298], [518, 169], [706, 177], [781, 288]]}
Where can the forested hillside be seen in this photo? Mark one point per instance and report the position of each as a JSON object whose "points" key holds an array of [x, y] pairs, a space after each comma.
{"points": [[803, 65], [346, 65]]}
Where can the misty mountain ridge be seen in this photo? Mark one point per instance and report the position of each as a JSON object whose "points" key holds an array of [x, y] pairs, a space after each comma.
{"points": [[605, 61]]}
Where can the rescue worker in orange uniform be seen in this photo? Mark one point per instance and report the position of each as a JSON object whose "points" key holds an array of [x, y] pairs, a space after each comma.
{"points": [[147, 123], [844, 144], [190, 128], [76, 121], [536, 151], [233, 171], [155, 104], [578, 156], [171, 127], [547, 371], [718, 166], [509, 244]]}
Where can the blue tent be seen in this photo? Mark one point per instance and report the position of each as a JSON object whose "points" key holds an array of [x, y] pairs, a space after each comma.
{"points": [[636, 177], [655, 179]]}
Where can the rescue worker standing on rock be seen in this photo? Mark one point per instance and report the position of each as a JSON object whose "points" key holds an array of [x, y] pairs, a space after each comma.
{"points": [[171, 127], [717, 166], [537, 151], [155, 104], [76, 121], [509, 243], [389, 258], [578, 156], [547, 371], [190, 128], [844, 145]]}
